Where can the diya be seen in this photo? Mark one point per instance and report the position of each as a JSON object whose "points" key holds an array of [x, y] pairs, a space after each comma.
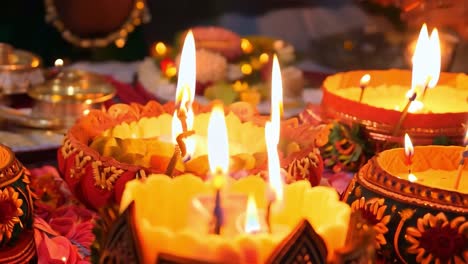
{"points": [[418, 212], [105, 149], [193, 221], [435, 104], [16, 211]]}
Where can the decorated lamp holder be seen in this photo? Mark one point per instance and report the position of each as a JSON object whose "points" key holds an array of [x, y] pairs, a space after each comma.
{"points": [[416, 219], [381, 111], [16, 211], [302, 245], [98, 176]]}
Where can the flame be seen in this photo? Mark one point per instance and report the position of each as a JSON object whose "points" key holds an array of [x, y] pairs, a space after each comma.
{"points": [[365, 79], [272, 131], [218, 146], [187, 70], [185, 92], [58, 63], [276, 96], [426, 60], [252, 223], [409, 149]]}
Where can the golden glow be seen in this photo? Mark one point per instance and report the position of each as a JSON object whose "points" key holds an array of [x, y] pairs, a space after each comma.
{"points": [[58, 63], [120, 43], [263, 58], [412, 177], [252, 223], [365, 79], [171, 71], [34, 62], [140, 5], [409, 149], [160, 48], [218, 146], [246, 69], [86, 112], [246, 46]]}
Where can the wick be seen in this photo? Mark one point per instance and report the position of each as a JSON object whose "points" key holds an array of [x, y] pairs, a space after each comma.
{"points": [[268, 215], [426, 86], [361, 95], [180, 150], [404, 113], [217, 213], [182, 115]]}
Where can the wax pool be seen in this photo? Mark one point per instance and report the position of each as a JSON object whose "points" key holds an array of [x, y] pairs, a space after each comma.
{"points": [[163, 224], [433, 166], [444, 179]]}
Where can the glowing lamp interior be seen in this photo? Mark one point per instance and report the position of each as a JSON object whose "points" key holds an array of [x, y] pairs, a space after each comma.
{"points": [[252, 223]]}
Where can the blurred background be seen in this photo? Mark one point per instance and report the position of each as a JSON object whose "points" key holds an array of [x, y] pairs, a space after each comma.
{"points": [[335, 34]]}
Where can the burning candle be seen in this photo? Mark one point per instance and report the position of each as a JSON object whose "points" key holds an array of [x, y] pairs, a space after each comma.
{"points": [[272, 134], [425, 72], [183, 117], [365, 79], [409, 153]]}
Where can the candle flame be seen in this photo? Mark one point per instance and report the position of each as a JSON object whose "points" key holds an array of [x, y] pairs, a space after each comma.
{"points": [[365, 79], [272, 131], [187, 72], [426, 60], [276, 97], [185, 92], [252, 223], [412, 177], [409, 149], [218, 146]]}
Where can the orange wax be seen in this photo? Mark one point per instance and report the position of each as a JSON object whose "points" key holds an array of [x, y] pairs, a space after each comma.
{"points": [[443, 179]]}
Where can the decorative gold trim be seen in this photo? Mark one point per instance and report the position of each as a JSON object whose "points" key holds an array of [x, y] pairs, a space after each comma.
{"points": [[67, 148], [138, 15], [376, 179], [80, 162], [105, 177]]}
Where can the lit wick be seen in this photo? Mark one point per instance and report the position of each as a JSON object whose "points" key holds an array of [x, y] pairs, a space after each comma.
{"points": [[409, 153], [363, 84], [180, 151], [404, 113], [434, 64], [461, 164]]}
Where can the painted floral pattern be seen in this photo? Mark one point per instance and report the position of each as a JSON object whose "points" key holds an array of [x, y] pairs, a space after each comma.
{"points": [[435, 239], [373, 211], [10, 212]]}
